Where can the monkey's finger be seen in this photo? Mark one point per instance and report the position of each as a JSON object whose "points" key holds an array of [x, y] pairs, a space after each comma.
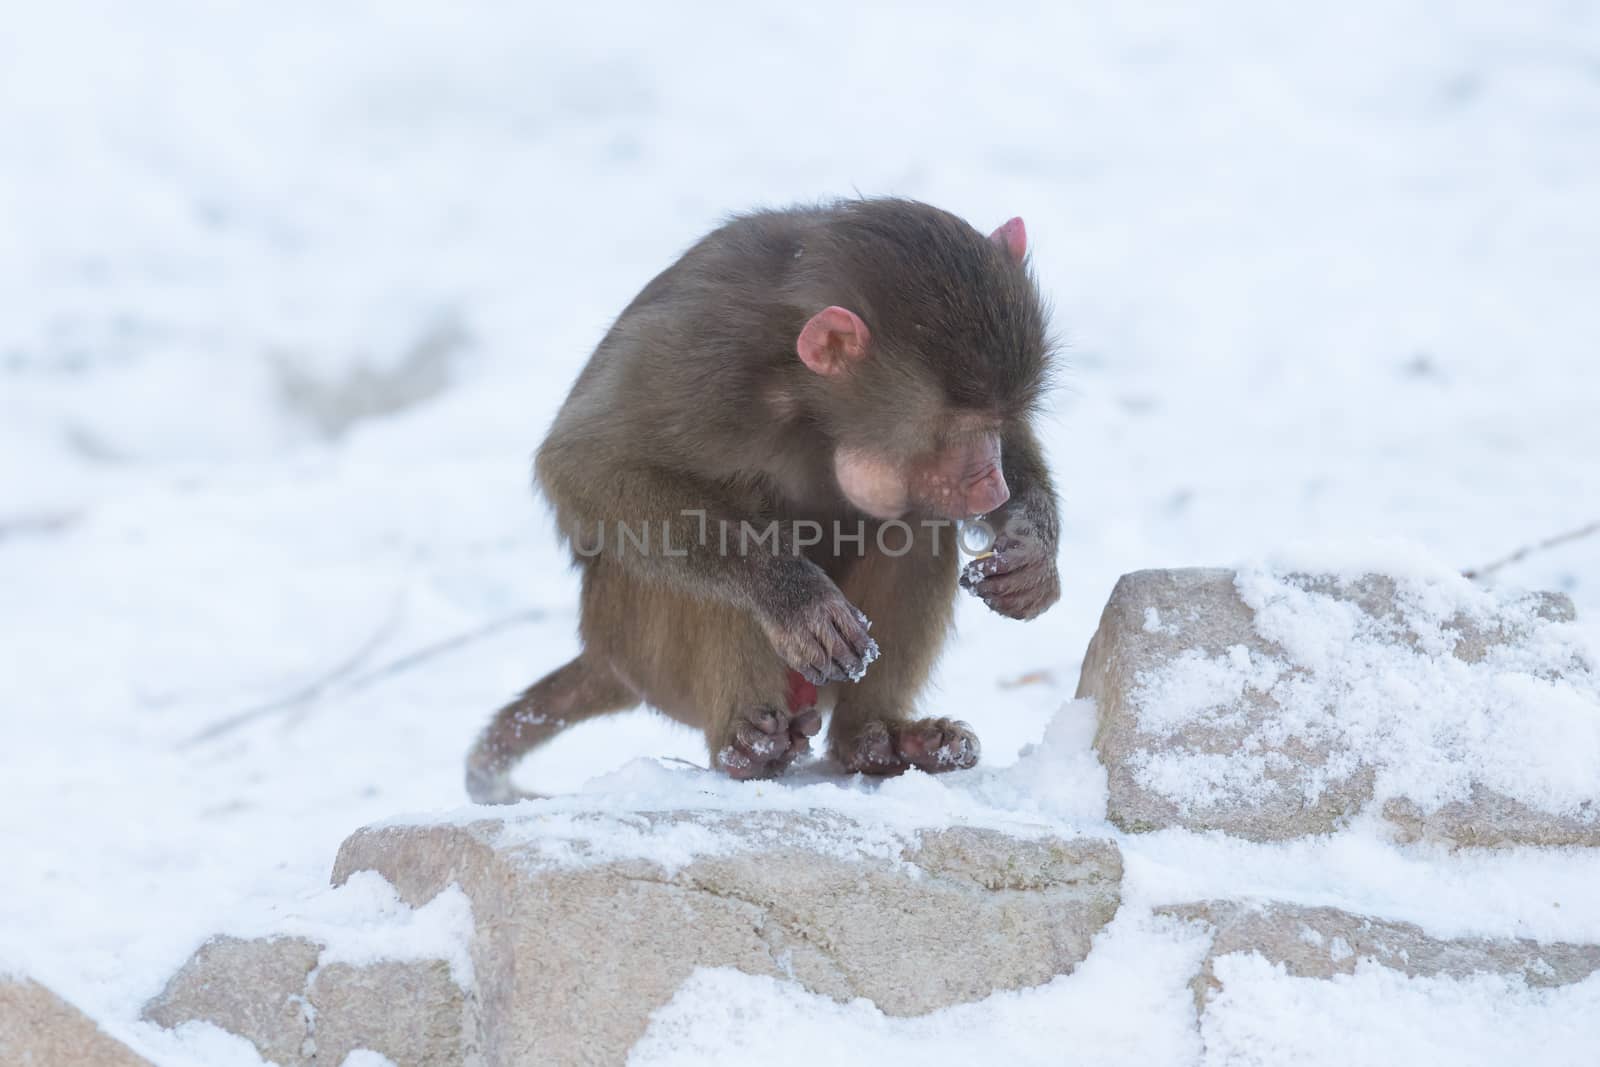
{"points": [[1025, 604], [801, 729], [917, 741], [938, 745], [1004, 559], [768, 720], [1006, 585], [1034, 601], [806, 724], [821, 666], [853, 627], [977, 570], [736, 763], [993, 567], [810, 657], [861, 641], [757, 743], [847, 661], [816, 675], [1012, 607], [843, 660], [873, 752], [864, 659]]}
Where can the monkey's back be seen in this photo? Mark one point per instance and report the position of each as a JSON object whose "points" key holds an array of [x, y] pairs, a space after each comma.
{"points": [[699, 370], [681, 373]]}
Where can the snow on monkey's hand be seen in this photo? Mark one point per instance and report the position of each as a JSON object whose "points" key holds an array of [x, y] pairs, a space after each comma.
{"points": [[1018, 578], [814, 629]]}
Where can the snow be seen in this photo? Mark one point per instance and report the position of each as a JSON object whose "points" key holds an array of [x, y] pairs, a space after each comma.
{"points": [[194, 1042], [364, 921], [1128, 1003], [1406, 693], [291, 292], [363, 1057], [1378, 1016], [1053, 786]]}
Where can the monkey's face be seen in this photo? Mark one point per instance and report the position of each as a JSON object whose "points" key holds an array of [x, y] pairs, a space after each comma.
{"points": [[916, 404], [958, 478], [901, 445]]}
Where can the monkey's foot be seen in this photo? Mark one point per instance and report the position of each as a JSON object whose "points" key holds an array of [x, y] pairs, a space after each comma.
{"points": [[766, 740], [485, 786], [488, 777], [931, 745]]}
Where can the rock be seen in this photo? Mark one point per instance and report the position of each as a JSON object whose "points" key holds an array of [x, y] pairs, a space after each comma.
{"points": [[411, 1011], [587, 922], [1323, 942], [256, 989], [1487, 819], [39, 1029], [271, 992], [1207, 723]]}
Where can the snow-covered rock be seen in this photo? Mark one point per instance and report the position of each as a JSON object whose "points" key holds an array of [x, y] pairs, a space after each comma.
{"points": [[39, 1029], [1323, 942], [590, 921], [410, 1011], [298, 1010], [255, 988], [1271, 703]]}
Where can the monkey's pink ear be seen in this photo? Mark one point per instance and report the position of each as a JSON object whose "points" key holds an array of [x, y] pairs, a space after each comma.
{"points": [[1013, 237], [834, 338]]}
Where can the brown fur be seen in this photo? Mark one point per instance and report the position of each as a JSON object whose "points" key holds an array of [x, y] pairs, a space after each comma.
{"points": [[696, 400]]}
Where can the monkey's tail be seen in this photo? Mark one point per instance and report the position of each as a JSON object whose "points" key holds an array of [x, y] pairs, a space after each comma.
{"points": [[579, 690]]}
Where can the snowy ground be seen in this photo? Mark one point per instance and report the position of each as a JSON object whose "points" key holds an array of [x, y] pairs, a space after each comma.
{"points": [[289, 292]]}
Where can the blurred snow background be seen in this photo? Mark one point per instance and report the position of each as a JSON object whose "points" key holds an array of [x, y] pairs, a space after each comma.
{"points": [[289, 292]]}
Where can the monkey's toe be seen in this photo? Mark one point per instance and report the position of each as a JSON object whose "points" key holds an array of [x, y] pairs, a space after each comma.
{"points": [[931, 745], [766, 740], [935, 745], [871, 751]]}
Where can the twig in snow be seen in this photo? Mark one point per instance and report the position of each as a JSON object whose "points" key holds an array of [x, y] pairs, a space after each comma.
{"points": [[1527, 550], [440, 648], [306, 693], [342, 673], [36, 525], [679, 759]]}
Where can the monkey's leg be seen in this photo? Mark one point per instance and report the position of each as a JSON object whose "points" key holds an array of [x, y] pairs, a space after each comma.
{"points": [[580, 690], [910, 598], [704, 662]]}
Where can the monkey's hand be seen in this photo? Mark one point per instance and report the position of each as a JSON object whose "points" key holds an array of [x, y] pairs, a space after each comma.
{"points": [[813, 628], [1018, 579]]}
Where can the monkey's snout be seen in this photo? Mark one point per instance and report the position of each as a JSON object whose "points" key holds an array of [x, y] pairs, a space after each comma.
{"points": [[986, 491]]}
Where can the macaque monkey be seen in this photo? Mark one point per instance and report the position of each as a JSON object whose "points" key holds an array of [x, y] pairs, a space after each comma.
{"points": [[770, 448]]}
